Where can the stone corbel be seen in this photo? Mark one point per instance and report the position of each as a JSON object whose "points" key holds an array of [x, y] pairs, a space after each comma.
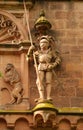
{"points": [[45, 115], [46, 112]]}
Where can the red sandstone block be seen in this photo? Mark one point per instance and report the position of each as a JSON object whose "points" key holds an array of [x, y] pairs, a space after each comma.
{"points": [[80, 16], [68, 91], [74, 67], [71, 82], [61, 15], [65, 51], [76, 74], [82, 58], [68, 41], [74, 33], [78, 6], [81, 82], [61, 101], [57, 5], [75, 59], [77, 102], [79, 92], [56, 89], [71, 24], [77, 50], [58, 24], [80, 42], [66, 15], [59, 32], [81, 24]]}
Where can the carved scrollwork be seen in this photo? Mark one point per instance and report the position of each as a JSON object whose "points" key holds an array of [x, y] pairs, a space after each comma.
{"points": [[13, 31], [4, 22], [8, 30]]}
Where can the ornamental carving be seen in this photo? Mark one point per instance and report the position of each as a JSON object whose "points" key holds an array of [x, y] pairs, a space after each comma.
{"points": [[8, 30], [12, 29]]}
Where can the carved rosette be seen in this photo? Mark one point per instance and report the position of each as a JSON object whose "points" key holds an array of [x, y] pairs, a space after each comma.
{"points": [[8, 30]]}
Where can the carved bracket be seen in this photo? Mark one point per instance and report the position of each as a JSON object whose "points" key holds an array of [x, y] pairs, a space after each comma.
{"points": [[45, 114], [47, 117]]}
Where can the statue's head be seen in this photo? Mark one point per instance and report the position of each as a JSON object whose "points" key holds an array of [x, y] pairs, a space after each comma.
{"points": [[44, 43], [9, 66], [46, 40]]}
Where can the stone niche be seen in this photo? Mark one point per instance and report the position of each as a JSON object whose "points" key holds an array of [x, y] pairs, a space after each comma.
{"points": [[13, 48]]}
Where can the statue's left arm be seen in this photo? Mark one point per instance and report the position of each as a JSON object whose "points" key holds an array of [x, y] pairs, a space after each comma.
{"points": [[56, 61]]}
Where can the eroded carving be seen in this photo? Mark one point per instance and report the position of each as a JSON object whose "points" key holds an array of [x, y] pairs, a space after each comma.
{"points": [[48, 59], [8, 30], [12, 77]]}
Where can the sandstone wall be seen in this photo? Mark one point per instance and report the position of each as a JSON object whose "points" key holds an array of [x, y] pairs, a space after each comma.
{"points": [[67, 28]]}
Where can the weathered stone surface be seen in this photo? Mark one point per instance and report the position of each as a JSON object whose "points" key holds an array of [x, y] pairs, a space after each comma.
{"points": [[66, 18]]}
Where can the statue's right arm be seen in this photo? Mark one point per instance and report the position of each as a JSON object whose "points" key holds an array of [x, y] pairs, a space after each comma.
{"points": [[30, 52]]}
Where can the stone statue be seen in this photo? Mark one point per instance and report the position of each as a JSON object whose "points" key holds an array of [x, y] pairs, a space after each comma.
{"points": [[47, 60], [12, 77]]}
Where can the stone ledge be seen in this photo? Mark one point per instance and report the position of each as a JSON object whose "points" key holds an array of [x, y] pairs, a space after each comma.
{"points": [[16, 4], [64, 110], [8, 48]]}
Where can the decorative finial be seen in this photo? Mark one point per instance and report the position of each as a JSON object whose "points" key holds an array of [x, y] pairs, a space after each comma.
{"points": [[42, 13]]}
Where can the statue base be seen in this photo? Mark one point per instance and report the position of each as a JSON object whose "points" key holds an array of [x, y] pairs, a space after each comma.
{"points": [[44, 105]]}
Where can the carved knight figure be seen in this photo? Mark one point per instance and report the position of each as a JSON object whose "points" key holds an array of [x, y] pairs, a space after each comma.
{"points": [[47, 61], [12, 77]]}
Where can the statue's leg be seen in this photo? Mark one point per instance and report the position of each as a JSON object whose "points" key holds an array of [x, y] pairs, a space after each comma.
{"points": [[19, 98], [40, 84], [13, 100], [49, 84], [16, 94]]}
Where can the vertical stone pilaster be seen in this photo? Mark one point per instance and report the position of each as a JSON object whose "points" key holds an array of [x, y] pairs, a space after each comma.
{"points": [[25, 77]]}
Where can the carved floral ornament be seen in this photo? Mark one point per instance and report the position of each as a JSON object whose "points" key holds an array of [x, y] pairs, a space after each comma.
{"points": [[11, 29], [8, 29]]}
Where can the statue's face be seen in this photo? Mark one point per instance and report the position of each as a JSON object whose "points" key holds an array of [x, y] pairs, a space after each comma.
{"points": [[44, 44]]}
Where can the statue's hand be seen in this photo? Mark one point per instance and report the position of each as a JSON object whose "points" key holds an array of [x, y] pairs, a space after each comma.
{"points": [[27, 58], [31, 48], [30, 52], [50, 66]]}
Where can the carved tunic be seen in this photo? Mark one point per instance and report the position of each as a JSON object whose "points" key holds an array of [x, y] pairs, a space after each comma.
{"points": [[46, 58]]}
